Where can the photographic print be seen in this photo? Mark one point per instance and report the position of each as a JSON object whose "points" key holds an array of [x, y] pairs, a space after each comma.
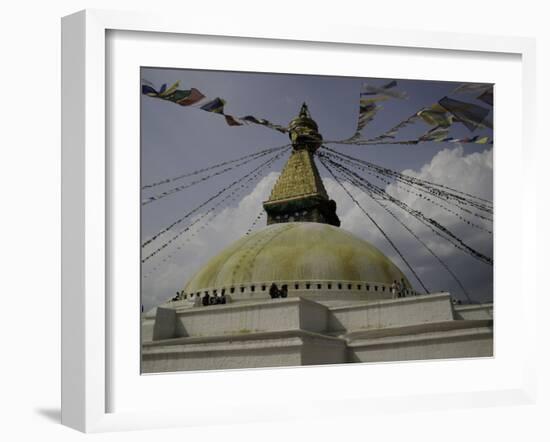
{"points": [[292, 220]]}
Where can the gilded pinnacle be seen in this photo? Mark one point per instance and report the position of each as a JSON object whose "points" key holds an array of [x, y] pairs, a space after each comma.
{"points": [[304, 132]]}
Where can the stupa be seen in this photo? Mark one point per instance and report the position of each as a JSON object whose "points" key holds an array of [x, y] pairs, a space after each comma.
{"points": [[304, 291]]}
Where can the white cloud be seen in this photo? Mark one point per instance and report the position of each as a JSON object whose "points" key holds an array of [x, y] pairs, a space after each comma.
{"points": [[471, 173], [226, 227]]}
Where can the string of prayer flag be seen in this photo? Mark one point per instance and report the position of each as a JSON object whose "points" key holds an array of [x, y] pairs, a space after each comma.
{"points": [[194, 98], [369, 99]]}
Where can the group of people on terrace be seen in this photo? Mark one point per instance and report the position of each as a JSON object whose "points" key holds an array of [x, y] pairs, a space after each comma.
{"points": [[398, 289], [275, 292]]}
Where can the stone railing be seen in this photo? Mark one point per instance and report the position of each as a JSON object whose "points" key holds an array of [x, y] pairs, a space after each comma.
{"points": [[293, 288]]}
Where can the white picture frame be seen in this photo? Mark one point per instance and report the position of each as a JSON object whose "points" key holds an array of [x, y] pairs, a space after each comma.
{"points": [[86, 315]]}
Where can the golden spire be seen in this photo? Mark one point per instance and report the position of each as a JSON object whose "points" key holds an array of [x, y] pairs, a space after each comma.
{"points": [[299, 193]]}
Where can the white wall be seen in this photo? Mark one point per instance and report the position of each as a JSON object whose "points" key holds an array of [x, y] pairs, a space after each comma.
{"points": [[29, 179]]}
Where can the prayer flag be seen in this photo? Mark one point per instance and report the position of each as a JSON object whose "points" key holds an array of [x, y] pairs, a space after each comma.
{"points": [[165, 92], [384, 90], [251, 119], [148, 90], [469, 114], [482, 140], [472, 88], [487, 97], [194, 97], [216, 106], [435, 115], [231, 121], [435, 134]]}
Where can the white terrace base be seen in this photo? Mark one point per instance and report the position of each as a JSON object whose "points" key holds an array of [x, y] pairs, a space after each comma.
{"points": [[299, 331]]}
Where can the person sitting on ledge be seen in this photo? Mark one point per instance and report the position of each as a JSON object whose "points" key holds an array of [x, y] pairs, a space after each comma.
{"points": [[284, 291], [274, 291], [394, 289], [205, 299], [403, 288]]}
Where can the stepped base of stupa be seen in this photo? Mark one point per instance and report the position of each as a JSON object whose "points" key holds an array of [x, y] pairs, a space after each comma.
{"points": [[299, 330]]}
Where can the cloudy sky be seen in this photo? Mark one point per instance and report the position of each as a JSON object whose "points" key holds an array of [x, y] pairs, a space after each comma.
{"points": [[176, 140]]}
